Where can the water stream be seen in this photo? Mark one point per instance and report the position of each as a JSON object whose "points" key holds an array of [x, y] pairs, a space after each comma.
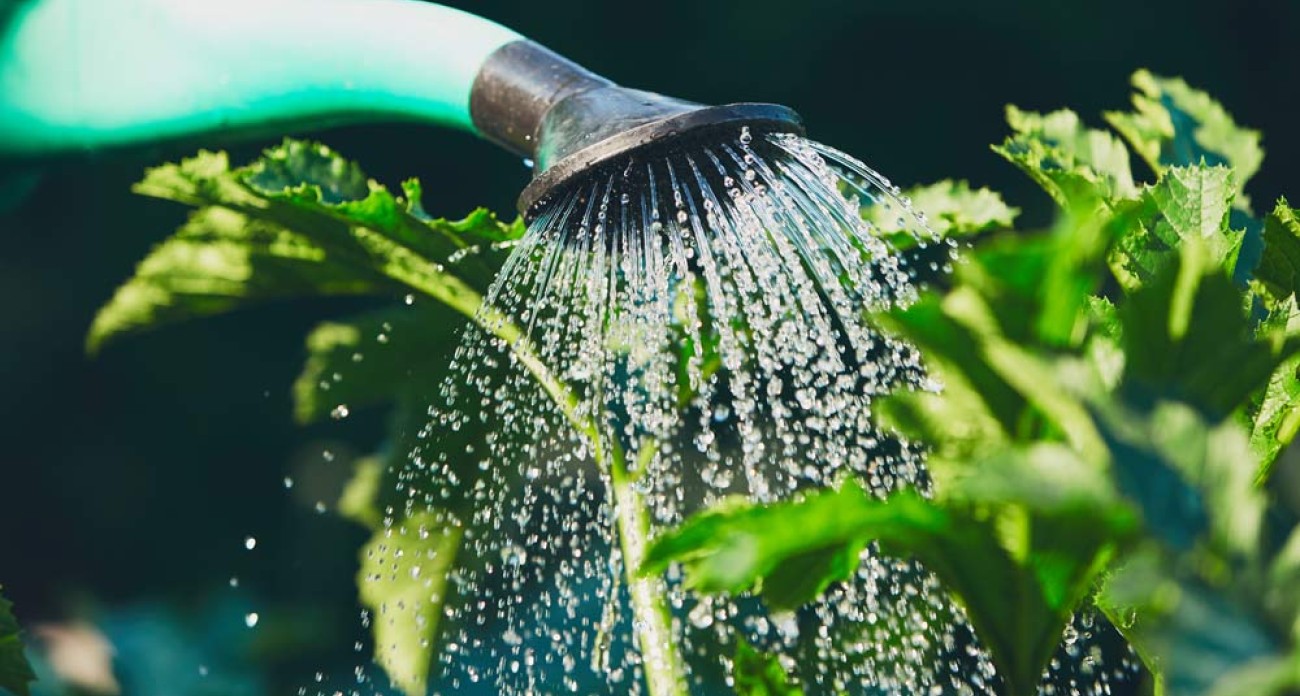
{"points": [[683, 329]]}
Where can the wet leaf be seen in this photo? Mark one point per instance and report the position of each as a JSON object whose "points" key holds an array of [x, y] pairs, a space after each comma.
{"points": [[373, 358], [975, 337], [1071, 162], [1173, 124], [403, 584], [1192, 636], [1018, 594], [758, 674], [15, 672], [301, 221], [952, 209]]}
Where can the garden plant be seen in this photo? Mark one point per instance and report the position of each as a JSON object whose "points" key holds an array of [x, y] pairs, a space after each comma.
{"points": [[1106, 441]]}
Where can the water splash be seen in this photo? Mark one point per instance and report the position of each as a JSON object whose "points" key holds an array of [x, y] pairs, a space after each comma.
{"points": [[687, 327]]}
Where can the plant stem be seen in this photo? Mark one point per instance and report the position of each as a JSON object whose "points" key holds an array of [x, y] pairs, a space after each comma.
{"points": [[665, 673], [661, 660]]}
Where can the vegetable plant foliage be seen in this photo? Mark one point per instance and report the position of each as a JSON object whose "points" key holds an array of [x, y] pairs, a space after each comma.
{"points": [[1116, 391], [15, 673]]}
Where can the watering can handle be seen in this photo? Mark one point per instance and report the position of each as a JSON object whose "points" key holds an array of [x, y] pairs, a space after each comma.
{"points": [[83, 75]]}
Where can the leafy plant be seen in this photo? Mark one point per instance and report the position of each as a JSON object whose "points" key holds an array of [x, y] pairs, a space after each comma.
{"points": [[757, 674], [303, 221], [15, 672], [1090, 447], [1116, 392]]}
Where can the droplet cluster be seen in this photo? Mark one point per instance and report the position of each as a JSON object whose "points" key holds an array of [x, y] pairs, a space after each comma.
{"points": [[700, 317]]}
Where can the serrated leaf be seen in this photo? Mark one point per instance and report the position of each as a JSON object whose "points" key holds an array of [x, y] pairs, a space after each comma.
{"points": [[1187, 337], [1274, 417], [951, 208], [757, 674], [1188, 204], [15, 672], [403, 584], [300, 221], [1195, 200], [1018, 599], [1072, 163], [1104, 349], [1279, 266], [1175, 125]]}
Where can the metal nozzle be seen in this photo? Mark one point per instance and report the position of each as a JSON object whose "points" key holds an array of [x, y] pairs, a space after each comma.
{"points": [[570, 121]]}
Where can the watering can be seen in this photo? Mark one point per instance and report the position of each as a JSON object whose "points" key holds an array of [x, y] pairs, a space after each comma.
{"points": [[81, 76]]}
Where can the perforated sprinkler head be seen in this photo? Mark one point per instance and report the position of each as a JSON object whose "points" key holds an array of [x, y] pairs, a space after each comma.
{"points": [[575, 124]]}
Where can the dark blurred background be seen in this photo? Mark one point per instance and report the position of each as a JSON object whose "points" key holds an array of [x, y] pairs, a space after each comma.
{"points": [[129, 482]]}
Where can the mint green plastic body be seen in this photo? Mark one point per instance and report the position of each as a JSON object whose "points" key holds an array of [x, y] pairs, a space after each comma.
{"points": [[83, 75]]}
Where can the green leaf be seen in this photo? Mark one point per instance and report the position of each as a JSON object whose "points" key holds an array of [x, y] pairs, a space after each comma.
{"points": [[981, 341], [1276, 412], [15, 672], [301, 221], [1283, 577], [1194, 203], [1187, 337], [1175, 125], [1104, 349], [757, 674], [373, 359], [359, 500], [951, 208], [736, 545], [1279, 267], [1269, 676], [1188, 204], [1072, 163], [1188, 476], [1188, 633], [955, 424], [1018, 590], [984, 403], [403, 584]]}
